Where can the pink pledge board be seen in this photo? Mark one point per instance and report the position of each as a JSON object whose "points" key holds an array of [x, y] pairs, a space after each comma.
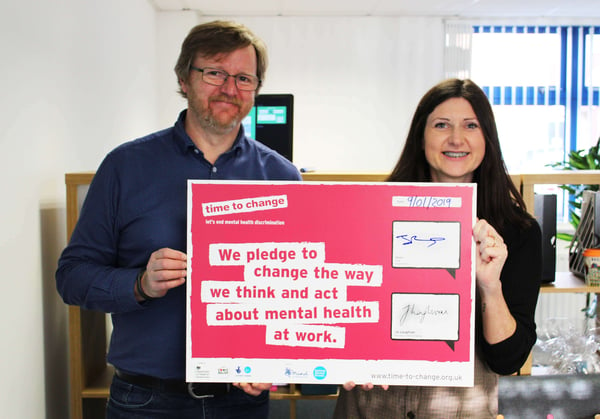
{"points": [[308, 282]]}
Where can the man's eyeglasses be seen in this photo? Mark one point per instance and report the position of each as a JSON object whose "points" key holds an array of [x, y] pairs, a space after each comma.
{"points": [[218, 77]]}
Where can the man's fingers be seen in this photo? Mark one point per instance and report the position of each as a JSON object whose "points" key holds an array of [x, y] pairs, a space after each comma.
{"points": [[253, 389], [168, 253]]}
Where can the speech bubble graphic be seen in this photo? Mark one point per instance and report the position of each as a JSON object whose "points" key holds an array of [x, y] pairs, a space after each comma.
{"points": [[426, 244], [425, 317]]}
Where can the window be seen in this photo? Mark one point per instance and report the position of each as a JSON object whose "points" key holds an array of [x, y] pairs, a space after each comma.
{"points": [[543, 83]]}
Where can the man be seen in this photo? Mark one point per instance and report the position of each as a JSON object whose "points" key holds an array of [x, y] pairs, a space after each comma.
{"points": [[126, 255]]}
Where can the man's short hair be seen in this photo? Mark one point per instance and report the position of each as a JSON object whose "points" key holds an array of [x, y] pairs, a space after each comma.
{"points": [[218, 37]]}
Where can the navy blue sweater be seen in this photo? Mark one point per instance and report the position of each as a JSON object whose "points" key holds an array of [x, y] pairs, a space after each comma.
{"points": [[136, 204]]}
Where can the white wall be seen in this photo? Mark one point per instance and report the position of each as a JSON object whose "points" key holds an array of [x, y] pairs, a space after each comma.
{"points": [[355, 80], [77, 78]]}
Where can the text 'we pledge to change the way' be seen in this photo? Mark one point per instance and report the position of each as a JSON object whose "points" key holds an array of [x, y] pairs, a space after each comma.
{"points": [[318, 290]]}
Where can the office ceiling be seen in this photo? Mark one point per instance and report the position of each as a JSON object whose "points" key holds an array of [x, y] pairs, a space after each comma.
{"points": [[447, 8]]}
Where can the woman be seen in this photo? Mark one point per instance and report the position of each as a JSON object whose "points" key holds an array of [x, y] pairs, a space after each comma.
{"points": [[453, 138]]}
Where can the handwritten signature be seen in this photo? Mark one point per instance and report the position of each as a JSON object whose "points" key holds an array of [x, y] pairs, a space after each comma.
{"points": [[412, 310], [412, 239]]}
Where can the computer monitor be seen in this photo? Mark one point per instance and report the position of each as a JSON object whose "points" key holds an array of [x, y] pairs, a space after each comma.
{"points": [[271, 121]]}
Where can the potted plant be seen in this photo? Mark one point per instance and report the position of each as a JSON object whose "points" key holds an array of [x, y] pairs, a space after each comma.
{"points": [[578, 160]]}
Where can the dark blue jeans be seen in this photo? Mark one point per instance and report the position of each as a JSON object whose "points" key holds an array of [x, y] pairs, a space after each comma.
{"points": [[128, 401]]}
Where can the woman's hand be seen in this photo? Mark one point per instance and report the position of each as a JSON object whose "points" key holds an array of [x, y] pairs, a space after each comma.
{"points": [[490, 255], [349, 385]]}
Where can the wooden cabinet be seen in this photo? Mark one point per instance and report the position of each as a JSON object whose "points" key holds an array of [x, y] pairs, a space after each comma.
{"points": [[89, 374]]}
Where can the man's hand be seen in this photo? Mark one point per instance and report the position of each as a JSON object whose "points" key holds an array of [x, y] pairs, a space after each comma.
{"points": [[253, 389], [165, 269]]}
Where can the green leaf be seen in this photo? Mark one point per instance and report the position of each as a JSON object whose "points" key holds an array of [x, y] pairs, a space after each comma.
{"points": [[564, 236], [590, 161], [578, 160], [575, 219], [569, 188]]}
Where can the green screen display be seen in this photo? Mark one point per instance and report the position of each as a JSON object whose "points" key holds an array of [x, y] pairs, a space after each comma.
{"points": [[271, 122], [271, 115]]}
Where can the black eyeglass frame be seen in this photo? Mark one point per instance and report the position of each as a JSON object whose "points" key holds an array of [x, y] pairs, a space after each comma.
{"points": [[227, 75]]}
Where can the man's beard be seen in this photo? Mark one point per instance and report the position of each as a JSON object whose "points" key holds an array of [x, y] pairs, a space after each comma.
{"points": [[210, 123]]}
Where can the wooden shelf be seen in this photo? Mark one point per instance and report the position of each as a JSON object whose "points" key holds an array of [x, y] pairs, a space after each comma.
{"points": [[366, 177], [100, 385], [344, 177], [292, 392], [555, 177], [567, 282]]}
